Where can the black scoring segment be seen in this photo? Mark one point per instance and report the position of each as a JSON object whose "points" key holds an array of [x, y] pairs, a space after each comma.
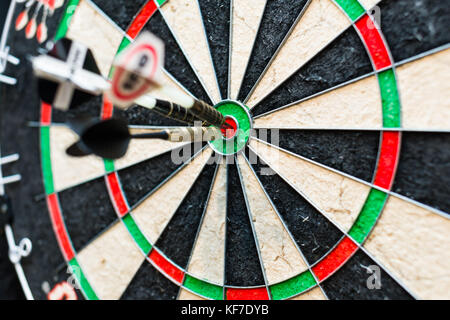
{"points": [[242, 264], [216, 19], [177, 239], [88, 218], [312, 232], [175, 61], [140, 179], [150, 284], [351, 152], [92, 108], [121, 12], [423, 172], [353, 281], [278, 18], [413, 27], [342, 60]]}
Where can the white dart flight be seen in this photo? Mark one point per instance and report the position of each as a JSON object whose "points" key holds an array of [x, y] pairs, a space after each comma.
{"points": [[68, 75]]}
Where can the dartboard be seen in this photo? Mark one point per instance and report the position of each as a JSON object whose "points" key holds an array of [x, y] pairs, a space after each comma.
{"points": [[337, 186]]}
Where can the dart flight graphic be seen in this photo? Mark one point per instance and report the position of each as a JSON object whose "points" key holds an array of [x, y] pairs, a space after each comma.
{"points": [[137, 70]]}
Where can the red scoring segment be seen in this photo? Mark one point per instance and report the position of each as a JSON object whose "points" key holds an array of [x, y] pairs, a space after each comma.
{"points": [[168, 268], [229, 129], [374, 42], [46, 114], [141, 19], [387, 165], [59, 227], [247, 294], [116, 194], [335, 259], [108, 108]]}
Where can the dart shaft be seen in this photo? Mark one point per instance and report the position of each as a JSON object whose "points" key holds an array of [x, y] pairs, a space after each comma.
{"points": [[183, 134], [168, 109], [194, 134]]}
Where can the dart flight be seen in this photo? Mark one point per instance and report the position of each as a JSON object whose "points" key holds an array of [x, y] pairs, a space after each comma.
{"points": [[68, 75]]}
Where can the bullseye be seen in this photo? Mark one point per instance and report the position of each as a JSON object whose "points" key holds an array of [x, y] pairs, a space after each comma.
{"points": [[230, 127]]}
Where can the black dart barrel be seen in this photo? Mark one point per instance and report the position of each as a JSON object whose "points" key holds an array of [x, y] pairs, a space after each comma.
{"points": [[174, 111], [207, 113]]}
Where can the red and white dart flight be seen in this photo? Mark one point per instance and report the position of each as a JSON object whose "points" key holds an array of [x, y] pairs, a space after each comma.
{"points": [[137, 70]]}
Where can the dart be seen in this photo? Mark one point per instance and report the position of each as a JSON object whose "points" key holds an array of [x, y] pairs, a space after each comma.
{"points": [[68, 76], [31, 28], [138, 70], [42, 31], [22, 19], [110, 138], [49, 9]]}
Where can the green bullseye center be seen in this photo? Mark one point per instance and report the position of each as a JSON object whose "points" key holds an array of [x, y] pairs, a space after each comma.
{"points": [[239, 113]]}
